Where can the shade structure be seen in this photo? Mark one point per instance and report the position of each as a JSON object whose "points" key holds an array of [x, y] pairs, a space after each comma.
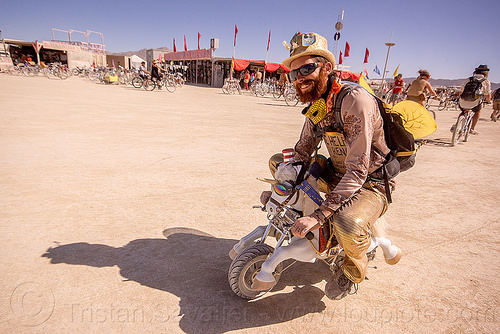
{"points": [[241, 64]]}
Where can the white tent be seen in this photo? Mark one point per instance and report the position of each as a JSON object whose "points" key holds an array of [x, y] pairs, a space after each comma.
{"points": [[136, 61]]}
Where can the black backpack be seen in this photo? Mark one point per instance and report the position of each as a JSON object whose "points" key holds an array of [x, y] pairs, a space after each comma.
{"points": [[473, 90]]}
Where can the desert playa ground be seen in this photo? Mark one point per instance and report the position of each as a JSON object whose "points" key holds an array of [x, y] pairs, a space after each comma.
{"points": [[119, 206]]}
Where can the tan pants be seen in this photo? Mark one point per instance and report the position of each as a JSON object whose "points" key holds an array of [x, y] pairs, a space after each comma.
{"points": [[351, 224]]}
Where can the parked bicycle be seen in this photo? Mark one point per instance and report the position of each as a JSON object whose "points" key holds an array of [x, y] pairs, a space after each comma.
{"points": [[56, 71], [448, 99], [231, 86], [290, 95]]}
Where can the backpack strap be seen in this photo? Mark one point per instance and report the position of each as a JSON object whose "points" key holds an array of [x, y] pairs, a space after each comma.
{"points": [[339, 124], [339, 97]]}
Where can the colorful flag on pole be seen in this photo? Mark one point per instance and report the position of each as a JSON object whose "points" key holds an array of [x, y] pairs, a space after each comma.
{"points": [[340, 58], [269, 40], [367, 53], [396, 72], [366, 72], [175, 49], [376, 70], [235, 33], [159, 57], [199, 40], [113, 62], [185, 44], [347, 49]]}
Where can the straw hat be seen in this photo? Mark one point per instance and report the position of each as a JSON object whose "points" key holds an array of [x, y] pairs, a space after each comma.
{"points": [[155, 61], [308, 44]]}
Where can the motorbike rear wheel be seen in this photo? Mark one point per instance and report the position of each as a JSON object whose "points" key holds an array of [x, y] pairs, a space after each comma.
{"points": [[244, 268]]}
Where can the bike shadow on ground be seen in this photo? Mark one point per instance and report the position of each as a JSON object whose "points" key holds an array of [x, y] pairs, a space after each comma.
{"points": [[193, 265], [440, 142]]}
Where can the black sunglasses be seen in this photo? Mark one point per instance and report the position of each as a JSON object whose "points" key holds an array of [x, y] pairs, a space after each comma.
{"points": [[304, 70]]}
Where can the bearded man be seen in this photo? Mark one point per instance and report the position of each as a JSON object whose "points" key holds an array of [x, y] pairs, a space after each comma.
{"points": [[355, 200]]}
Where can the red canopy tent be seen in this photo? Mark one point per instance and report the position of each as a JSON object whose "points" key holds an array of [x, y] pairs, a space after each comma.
{"points": [[241, 64], [350, 76]]}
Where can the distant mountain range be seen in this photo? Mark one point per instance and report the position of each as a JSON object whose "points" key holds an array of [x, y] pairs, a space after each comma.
{"points": [[141, 53], [447, 82]]}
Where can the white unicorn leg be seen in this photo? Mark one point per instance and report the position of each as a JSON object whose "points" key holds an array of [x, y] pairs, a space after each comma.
{"points": [[247, 241], [392, 253], [299, 249]]}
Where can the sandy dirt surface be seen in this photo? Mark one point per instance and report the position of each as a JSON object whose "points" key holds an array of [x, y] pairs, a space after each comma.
{"points": [[119, 206]]}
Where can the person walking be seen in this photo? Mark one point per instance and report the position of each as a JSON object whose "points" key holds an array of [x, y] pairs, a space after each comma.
{"points": [[397, 89]]}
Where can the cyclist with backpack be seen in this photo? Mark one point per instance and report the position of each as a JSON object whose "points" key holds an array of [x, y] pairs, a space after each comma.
{"points": [[357, 149], [473, 93]]}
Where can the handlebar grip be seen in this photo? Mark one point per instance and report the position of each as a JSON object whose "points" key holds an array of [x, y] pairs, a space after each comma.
{"points": [[309, 235]]}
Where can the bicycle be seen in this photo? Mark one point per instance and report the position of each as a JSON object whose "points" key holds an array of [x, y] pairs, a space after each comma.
{"points": [[461, 129], [448, 99], [427, 106], [166, 81], [231, 86], [290, 95], [277, 90], [56, 70]]}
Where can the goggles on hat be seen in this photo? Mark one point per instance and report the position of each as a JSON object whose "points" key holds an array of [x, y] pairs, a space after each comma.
{"points": [[304, 70], [303, 40], [283, 189]]}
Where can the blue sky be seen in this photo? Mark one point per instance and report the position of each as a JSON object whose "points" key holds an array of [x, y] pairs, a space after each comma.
{"points": [[448, 38]]}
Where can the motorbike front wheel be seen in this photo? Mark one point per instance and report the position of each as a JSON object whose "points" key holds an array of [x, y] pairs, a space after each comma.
{"points": [[245, 267]]}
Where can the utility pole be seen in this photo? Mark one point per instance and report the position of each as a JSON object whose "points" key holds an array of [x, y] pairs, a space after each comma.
{"points": [[389, 44]]}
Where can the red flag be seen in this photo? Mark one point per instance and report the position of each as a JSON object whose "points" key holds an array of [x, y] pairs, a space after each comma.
{"points": [[340, 58], [159, 56], [199, 40], [175, 49], [347, 49], [185, 44], [268, 40], [366, 72], [367, 53], [235, 33]]}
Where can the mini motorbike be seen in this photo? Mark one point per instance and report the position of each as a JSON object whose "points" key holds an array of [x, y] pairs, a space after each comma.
{"points": [[257, 266]]}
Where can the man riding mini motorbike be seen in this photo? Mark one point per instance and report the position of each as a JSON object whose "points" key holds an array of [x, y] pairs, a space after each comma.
{"points": [[355, 199]]}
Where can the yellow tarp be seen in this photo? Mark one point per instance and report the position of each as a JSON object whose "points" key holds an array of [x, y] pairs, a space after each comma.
{"points": [[417, 120]]}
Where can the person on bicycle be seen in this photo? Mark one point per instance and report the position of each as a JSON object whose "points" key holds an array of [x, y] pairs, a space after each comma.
{"points": [[419, 87], [143, 72], [496, 105], [480, 75], [397, 89], [155, 72], [353, 202]]}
